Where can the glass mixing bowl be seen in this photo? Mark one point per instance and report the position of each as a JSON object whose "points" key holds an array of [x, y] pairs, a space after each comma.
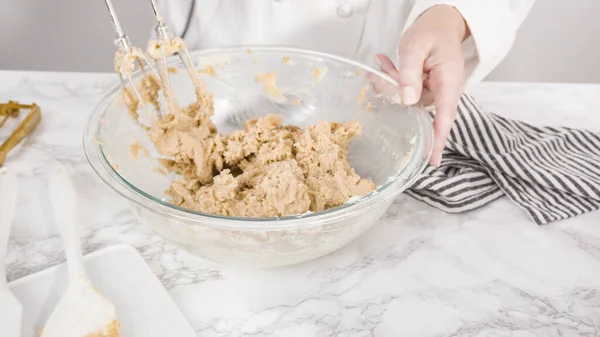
{"points": [[392, 150]]}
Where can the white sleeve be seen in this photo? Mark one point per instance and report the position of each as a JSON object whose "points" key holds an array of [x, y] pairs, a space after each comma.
{"points": [[493, 25]]}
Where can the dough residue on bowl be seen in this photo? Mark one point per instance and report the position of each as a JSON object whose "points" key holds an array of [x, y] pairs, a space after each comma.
{"points": [[265, 170], [269, 87]]}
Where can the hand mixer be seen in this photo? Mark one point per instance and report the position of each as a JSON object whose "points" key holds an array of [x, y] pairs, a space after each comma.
{"points": [[165, 45]]}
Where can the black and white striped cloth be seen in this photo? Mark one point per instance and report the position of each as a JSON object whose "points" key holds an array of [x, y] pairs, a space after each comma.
{"points": [[552, 173]]}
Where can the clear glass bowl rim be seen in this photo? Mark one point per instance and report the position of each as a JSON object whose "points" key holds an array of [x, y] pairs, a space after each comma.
{"points": [[390, 189]]}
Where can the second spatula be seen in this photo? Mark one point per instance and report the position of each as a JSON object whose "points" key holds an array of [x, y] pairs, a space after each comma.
{"points": [[82, 311], [10, 307]]}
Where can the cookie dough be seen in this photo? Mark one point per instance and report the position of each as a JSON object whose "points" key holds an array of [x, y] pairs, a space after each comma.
{"points": [[265, 170]]}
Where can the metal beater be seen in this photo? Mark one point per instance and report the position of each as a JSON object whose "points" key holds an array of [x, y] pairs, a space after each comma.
{"points": [[165, 38], [165, 45], [126, 60]]}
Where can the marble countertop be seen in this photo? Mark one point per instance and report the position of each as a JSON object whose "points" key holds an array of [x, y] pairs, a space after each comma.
{"points": [[418, 272]]}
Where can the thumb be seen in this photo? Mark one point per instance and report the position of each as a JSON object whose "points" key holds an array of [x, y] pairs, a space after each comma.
{"points": [[411, 57]]}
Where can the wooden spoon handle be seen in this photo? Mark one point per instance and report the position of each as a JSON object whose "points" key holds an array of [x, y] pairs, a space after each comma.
{"points": [[24, 128]]}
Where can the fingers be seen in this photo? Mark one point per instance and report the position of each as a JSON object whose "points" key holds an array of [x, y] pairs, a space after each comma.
{"points": [[386, 65], [447, 90], [443, 86], [430, 45], [380, 85], [427, 97], [412, 54], [438, 87]]}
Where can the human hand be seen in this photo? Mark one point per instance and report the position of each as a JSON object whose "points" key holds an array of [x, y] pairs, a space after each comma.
{"points": [[431, 68]]}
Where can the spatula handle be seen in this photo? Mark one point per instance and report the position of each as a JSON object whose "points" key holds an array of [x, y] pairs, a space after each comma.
{"points": [[9, 191], [63, 197]]}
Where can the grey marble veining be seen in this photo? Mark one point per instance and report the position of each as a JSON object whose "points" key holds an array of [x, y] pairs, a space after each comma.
{"points": [[418, 272]]}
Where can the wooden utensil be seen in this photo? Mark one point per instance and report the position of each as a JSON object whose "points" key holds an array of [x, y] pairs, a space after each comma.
{"points": [[27, 125]]}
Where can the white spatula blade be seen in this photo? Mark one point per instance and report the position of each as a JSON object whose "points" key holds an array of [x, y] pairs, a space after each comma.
{"points": [[11, 313]]}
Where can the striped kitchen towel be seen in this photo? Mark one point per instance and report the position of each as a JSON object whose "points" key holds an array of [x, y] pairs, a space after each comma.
{"points": [[552, 173]]}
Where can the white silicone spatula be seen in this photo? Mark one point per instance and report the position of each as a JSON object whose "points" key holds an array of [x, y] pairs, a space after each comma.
{"points": [[82, 311], [10, 308]]}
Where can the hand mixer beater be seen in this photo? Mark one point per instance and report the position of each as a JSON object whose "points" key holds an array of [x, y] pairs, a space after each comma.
{"points": [[128, 57]]}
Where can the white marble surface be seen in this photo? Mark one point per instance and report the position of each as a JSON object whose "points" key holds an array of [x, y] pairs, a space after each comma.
{"points": [[419, 272]]}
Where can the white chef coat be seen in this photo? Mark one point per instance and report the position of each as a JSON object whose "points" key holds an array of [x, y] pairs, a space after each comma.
{"points": [[356, 29]]}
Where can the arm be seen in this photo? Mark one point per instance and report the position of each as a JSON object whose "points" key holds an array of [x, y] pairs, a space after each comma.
{"points": [[492, 26], [451, 42]]}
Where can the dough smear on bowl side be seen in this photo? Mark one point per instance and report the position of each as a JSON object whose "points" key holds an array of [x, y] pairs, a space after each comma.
{"points": [[265, 170]]}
